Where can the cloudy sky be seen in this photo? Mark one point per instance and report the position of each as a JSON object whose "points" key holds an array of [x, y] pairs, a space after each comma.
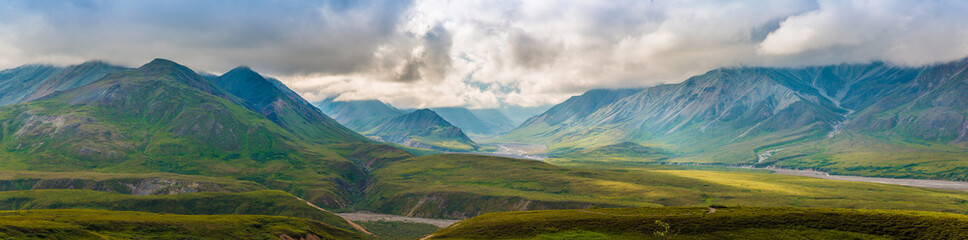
{"points": [[430, 53]]}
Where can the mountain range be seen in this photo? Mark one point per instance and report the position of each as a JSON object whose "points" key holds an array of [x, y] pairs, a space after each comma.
{"points": [[98, 136], [442, 129], [476, 122], [870, 119], [164, 117]]}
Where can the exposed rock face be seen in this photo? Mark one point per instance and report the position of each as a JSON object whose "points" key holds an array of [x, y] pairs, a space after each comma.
{"points": [[731, 105]]}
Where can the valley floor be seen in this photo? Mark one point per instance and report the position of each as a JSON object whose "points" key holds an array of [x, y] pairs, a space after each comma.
{"points": [[923, 183]]}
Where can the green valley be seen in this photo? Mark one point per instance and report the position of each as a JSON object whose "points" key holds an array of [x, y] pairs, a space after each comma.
{"points": [[163, 139], [461, 185], [451, 119]]}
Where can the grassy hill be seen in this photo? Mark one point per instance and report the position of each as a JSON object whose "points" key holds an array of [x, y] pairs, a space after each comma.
{"points": [[126, 183], [463, 185], [615, 154], [700, 223], [99, 224], [163, 117], [265, 202]]}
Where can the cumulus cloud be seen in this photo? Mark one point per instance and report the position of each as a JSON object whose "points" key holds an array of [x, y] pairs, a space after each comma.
{"points": [[434, 53], [901, 32]]}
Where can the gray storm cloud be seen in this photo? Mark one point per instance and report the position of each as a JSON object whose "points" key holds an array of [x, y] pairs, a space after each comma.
{"points": [[284, 37], [431, 53]]}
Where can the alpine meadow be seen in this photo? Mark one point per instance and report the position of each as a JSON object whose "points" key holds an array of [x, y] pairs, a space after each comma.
{"points": [[509, 119]]}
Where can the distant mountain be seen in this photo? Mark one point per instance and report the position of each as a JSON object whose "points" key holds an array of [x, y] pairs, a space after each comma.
{"points": [[565, 114], [895, 121], [30, 82], [361, 115], [472, 122], [519, 114], [423, 129], [284, 107], [18, 83], [496, 117]]}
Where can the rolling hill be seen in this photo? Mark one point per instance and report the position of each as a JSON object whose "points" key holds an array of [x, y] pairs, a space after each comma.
{"points": [[716, 222], [100, 224], [262, 202], [867, 119]]}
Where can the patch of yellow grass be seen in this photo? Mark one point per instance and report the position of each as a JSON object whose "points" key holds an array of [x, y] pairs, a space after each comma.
{"points": [[744, 181]]}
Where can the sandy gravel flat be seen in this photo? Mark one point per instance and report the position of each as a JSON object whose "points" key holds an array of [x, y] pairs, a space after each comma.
{"points": [[370, 217], [520, 151]]}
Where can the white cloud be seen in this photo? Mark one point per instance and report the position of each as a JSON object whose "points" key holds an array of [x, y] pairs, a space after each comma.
{"points": [[477, 53], [902, 32]]}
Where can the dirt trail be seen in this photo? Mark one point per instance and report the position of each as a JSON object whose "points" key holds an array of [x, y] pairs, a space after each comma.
{"points": [[353, 224]]}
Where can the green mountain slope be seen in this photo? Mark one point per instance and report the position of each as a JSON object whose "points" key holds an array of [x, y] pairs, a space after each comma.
{"points": [[163, 117], [803, 115], [126, 183], [702, 223], [282, 106]]}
